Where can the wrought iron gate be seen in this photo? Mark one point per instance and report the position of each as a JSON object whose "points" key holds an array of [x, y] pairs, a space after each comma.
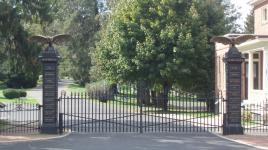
{"points": [[120, 111], [20, 118]]}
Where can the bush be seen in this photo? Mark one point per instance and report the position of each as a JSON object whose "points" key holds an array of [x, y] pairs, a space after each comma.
{"points": [[21, 81], [101, 90], [246, 115], [14, 93], [23, 93], [2, 85]]}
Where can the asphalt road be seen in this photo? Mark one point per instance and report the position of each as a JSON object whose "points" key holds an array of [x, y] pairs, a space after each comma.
{"points": [[37, 91], [127, 141]]}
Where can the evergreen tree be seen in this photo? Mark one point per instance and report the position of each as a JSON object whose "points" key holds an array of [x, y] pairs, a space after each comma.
{"points": [[20, 61], [249, 24], [79, 18]]}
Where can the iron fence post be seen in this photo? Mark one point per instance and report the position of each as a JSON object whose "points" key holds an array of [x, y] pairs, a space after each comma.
{"points": [[39, 117], [141, 125], [60, 123]]}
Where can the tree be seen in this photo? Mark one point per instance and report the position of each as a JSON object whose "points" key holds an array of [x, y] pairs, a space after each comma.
{"points": [[83, 28], [231, 16], [213, 21], [21, 56], [217, 18], [79, 19], [249, 23], [151, 42], [145, 43]]}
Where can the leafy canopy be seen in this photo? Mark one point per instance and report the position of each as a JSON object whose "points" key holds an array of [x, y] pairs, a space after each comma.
{"points": [[161, 41]]}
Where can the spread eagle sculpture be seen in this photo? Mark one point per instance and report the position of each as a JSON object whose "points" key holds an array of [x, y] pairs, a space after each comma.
{"points": [[233, 40], [57, 39]]}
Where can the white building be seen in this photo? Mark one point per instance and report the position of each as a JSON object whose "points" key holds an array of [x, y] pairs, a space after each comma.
{"points": [[255, 68]]}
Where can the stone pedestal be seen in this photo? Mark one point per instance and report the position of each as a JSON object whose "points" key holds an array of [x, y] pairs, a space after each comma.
{"points": [[49, 59], [232, 118]]}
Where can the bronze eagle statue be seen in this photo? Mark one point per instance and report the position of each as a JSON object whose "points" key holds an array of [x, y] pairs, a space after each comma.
{"points": [[57, 39], [233, 40]]}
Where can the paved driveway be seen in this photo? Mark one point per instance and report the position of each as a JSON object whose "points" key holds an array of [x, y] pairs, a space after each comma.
{"points": [[37, 91], [117, 141]]}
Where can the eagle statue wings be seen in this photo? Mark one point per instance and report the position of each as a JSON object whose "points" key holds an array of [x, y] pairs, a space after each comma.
{"points": [[233, 40], [57, 39]]}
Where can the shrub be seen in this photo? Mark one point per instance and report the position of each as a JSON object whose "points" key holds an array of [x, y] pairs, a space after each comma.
{"points": [[2, 85], [21, 81], [23, 93], [14, 93], [246, 115], [101, 90]]}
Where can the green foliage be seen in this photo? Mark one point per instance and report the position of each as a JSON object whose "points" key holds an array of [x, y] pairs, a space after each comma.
{"points": [[246, 115], [76, 88], [249, 24], [101, 90], [213, 21], [161, 42], [143, 46], [17, 55], [23, 93], [22, 81], [231, 15], [14, 93], [83, 28]]}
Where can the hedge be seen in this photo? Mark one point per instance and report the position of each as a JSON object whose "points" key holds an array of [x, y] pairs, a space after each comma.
{"points": [[14, 93]]}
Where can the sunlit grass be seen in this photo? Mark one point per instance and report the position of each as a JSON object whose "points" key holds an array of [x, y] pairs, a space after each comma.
{"points": [[17, 100], [76, 88]]}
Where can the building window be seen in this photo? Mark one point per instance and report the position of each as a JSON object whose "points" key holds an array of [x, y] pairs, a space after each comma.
{"points": [[257, 71], [256, 75]]}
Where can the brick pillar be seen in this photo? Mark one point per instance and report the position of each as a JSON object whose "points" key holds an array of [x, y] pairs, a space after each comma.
{"points": [[49, 59], [232, 118]]}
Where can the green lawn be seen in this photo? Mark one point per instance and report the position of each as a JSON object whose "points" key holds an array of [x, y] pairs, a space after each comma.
{"points": [[16, 100], [194, 113], [76, 88], [251, 122]]}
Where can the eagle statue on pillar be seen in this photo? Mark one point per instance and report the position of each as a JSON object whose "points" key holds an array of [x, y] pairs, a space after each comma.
{"points": [[233, 40], [57, 39]]}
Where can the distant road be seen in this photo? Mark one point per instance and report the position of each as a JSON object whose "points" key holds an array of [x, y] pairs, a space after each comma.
{"points": [[37, 91]]}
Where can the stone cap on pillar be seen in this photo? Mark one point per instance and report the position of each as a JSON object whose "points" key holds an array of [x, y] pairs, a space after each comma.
{"points": [[50, 54], [233, 55]]}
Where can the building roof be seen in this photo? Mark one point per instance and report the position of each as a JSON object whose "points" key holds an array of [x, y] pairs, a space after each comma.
{"points": [[256, 2], [236, 35]]}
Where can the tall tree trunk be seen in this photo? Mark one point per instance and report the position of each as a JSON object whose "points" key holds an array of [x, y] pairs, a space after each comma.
{"points": [[114, 88], [143, 93], [210, 102], [166, 89], [153, 97]]}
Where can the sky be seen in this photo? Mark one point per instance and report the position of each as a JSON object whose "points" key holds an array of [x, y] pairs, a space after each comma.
{"points": [[244, 8]]}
